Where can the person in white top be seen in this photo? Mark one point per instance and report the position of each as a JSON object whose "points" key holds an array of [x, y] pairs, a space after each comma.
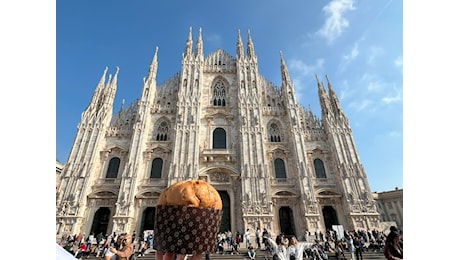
{"points": [[278, 247], [350, 246], [295, 248], [247, 238]]}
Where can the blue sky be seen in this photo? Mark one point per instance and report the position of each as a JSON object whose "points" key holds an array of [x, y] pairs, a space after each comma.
{"points": [[357, 44]]}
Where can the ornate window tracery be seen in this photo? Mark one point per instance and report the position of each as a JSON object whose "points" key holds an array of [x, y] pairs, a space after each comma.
{"points": [[274, 133], [162, 131], [218, 94]]}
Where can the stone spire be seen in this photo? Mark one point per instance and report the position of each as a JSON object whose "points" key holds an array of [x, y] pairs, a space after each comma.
{"points": [[250, 49], [199, 46], [188, 44], [239, 47]]}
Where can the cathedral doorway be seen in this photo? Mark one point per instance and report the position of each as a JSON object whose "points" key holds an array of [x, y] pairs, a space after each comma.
{"points": [[101, 221], [148, 219], [330, 217], [226, 223], [286, 219]]}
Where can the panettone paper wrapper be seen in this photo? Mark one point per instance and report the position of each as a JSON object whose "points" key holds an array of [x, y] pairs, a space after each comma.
{"points": [[186, 230]]}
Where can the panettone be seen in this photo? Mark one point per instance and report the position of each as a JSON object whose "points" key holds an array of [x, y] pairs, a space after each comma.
{"points": [[187, 219]]}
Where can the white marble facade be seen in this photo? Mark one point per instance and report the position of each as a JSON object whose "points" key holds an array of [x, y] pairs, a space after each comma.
{"points": [[276, 164]]}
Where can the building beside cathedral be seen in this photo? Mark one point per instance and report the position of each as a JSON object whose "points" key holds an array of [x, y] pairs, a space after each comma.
{"points": [[275, 164]]}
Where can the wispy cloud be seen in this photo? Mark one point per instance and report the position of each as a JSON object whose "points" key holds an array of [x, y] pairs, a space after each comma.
{"points": [[394, 98], [301, 73], [301, 69], [376, 86], [374, 53], [360, 105], [335, 21], [398, 62], [349, 57], [352, 54]]}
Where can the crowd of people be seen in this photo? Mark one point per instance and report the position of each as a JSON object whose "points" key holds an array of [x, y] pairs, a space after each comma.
{"points": [[283, 247], [108, 247]]}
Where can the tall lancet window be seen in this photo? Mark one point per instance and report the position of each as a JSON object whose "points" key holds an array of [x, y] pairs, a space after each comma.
{"points": [[157, 167], [219, 139], [162, 131], [274, 133], [218, 94], [280, 169], [319, 168], [112, 170]]}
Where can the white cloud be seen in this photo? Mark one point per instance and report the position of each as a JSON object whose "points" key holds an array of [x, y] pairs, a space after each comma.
{"points": [[352, 54], [363, 104], [349, 57], [375, 52], [398, 62], [396, 97], [301, 69], [375, 86], [301, 73], [335, 21]]}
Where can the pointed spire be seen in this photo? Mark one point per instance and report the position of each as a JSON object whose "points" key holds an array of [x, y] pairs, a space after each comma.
{"points": [[99, 87], [320, 86], [102, 80], [199, 45], [250, 50], [115, 78], [188, 44], [329, 86], [239, 47], [153, 66], [284, 70], [333, 95]]}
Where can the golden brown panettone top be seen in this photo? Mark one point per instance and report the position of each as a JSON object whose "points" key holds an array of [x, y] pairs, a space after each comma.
{"points": [[192, 193]]}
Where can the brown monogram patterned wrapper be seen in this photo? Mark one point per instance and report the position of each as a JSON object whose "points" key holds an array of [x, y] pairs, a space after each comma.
{"points": [[186, 230]]}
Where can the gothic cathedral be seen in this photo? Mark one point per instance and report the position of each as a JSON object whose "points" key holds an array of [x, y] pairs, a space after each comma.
{"points": [[275, 164]]}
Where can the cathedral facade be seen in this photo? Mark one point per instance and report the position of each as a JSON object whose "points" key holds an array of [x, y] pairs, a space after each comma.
{"points": [[275, 164]]}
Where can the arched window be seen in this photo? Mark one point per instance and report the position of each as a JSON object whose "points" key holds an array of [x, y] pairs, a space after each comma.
{"points": [[219, 139], [157, 167], [280, 170], [218, 94], [319, 168], [112, 170], [162, 131], [274, 133]]}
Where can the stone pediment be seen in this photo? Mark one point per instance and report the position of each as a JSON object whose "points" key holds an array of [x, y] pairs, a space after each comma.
{"points": [[116, 148], [103, 194], [285, 193], [159, 148], [327, 193], [148, 194]]}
